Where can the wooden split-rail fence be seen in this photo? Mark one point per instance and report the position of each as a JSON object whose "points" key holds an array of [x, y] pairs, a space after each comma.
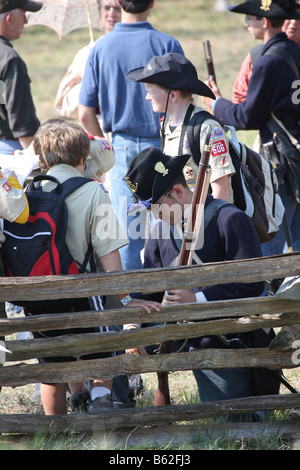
{"points": [[177, 322]]}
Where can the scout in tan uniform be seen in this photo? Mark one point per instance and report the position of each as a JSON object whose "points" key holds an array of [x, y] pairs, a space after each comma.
{"points": [[170, 81], [63, 149]]}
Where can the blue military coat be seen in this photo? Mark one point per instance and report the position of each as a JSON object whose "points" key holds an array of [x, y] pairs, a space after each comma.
{"points": [[229, 236], [270, 89]]}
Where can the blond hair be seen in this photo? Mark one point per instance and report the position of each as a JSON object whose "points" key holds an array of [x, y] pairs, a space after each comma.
{"points": [[57, 141]]}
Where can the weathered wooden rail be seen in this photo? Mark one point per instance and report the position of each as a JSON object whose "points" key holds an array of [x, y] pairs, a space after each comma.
{"points": [[188, 320]]}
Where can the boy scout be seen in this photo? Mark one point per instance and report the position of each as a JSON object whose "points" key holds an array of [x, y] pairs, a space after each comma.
{"points": [[170, 81], [63, 149]]}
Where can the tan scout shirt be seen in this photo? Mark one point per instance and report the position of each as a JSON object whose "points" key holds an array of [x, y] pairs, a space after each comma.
{"points": [[220, 160], [12, 202], [90, 217]]}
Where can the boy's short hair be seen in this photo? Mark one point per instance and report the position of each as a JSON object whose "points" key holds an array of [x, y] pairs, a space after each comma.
{"points": [[183, 94], [135, 6], [61, 142], [179, 180]]}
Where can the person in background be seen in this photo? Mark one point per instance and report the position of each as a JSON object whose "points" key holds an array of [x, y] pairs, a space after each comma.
{"points": [[290, 27], [18, 120], [269, 91], [123, 107], [66, 101], [221, 5]]}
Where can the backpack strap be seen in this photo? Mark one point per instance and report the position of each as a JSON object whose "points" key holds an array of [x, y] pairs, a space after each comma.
{"points": [[284, 55], [255, 52], [72, 184], [211, 209], [36, 183], [184, 128], [69, 187], [194, 131], [64, 190]]}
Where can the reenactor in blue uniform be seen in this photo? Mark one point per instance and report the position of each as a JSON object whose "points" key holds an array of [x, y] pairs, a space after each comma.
{"points": [[273, 88], [229, 236]]}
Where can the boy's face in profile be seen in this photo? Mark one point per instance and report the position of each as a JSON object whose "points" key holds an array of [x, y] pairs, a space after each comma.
{"points": [[254, 26], [157, 97]]}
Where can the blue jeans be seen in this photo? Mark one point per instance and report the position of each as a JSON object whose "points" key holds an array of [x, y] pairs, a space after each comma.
{"points": [[126, 147], [7, 147]]}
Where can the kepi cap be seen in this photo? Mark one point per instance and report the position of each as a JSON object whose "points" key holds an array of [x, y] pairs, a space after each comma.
{"points": [[151, 173], [172, 71], [267, 9], [9, 5]]}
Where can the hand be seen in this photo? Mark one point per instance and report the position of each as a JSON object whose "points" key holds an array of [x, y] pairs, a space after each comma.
{"points": [[214, 87], [137, 351], [179, 296], [146, 304]]}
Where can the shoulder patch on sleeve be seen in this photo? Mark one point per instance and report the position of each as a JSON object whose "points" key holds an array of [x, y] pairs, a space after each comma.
{"points": [[219, 148], [102, 185]]}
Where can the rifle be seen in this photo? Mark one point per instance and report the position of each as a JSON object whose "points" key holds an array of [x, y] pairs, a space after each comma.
{"points": [[210, 66], [209, 60], [162, 396]]}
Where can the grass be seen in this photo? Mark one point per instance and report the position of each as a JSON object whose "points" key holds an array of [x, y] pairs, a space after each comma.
{"points": [[183, 391], [191, 22], [47, 58]]}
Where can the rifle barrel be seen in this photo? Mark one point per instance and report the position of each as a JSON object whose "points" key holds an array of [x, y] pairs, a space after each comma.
{"points": [[199, 196], [209, 59]]}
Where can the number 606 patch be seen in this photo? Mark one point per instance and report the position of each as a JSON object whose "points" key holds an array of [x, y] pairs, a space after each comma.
{"points": [[219, 148]]}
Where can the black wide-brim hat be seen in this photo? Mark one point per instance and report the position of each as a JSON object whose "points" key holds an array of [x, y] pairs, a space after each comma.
{"points": [[9, 5], [266, 9], [172, 71], [151, 173]]}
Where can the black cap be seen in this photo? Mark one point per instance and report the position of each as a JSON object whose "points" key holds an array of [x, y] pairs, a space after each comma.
{"points": [[172, 71], [9, 5], [151, 173], [267, 9]]}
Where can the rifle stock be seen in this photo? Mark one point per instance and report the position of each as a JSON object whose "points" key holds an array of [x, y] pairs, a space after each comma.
{"points": [[162, 396]]}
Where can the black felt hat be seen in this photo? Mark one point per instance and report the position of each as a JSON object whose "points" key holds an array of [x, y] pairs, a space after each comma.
{"points": [[151, 173], [267, 9], [9, 5], [173, 71]]}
